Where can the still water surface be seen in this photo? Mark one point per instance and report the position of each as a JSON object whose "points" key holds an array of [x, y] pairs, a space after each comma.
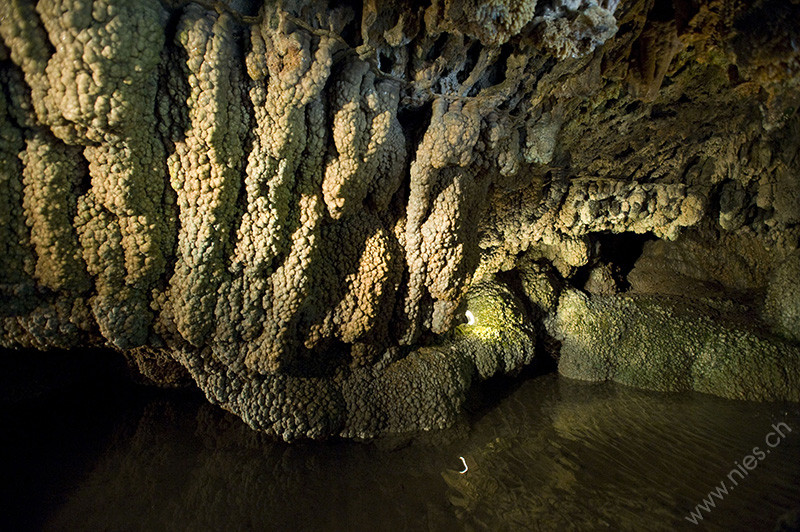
{"points": [[551, 455]]}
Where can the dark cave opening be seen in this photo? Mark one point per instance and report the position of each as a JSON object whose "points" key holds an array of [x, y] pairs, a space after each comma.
{"points": [[473, 55], [437, 48], [622, 249], [385, 63], [415, 121], [618, 250], [662, 11], [351, 34]]}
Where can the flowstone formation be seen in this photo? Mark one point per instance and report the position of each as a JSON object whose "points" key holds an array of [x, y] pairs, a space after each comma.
{"points": [[335, 218]]}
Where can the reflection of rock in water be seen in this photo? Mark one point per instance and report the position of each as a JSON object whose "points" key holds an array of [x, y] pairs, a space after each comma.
{"points": [[193, 467], [573, 456], [554, 455]]}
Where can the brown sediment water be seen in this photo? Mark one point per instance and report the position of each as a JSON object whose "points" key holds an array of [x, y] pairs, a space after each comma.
{"points": [[553, 454]]}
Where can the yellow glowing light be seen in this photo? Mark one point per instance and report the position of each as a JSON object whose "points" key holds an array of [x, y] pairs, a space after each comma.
{"points": [[470, 318]]}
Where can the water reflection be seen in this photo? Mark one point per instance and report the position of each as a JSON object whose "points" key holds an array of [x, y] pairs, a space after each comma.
{"points": [[608, 457], [552, 455]]}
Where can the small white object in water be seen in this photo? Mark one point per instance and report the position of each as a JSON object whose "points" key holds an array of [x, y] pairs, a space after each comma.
{"points": [[470, 318], [466, 468]]}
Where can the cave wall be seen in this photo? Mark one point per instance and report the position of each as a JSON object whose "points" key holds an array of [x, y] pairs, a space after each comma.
{"points": [[290, 202]]}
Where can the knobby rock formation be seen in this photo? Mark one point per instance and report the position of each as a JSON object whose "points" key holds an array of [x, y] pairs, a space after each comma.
{"points": [[295, 204]]}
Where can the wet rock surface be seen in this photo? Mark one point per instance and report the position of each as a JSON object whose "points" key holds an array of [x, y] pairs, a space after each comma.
{"points": [[552, 453]]}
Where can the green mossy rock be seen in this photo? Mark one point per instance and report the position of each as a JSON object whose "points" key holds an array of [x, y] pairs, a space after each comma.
{"points": [[673, 344]]}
